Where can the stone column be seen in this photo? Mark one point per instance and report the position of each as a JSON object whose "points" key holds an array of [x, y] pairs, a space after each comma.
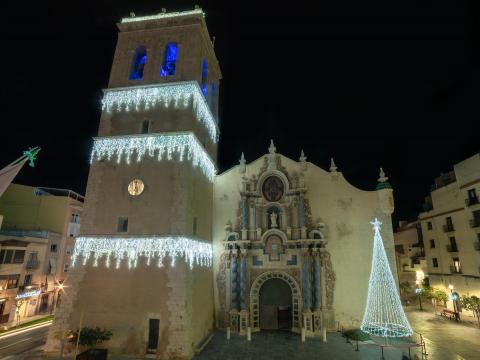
{"points": [[244, 218], [307, 302], [301, 216], [317, 294], [233, 294], [243, 295]]}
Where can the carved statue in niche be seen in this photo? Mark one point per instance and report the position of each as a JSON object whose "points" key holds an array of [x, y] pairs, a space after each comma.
{"points": [[273, 219]]}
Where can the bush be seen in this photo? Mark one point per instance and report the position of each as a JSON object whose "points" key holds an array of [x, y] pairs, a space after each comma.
{"points": [[356, 334], [90, 336]]}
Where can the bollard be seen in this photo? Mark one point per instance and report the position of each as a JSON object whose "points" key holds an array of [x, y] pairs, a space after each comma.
{"points": [[324, 334], [249, 333], [303, 334], [228, 333]]}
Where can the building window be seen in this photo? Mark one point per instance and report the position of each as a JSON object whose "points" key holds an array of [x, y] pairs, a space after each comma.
{"points": [[432, 244], [27, 280], [429, 225], [170, 60], [472, 195], [145, 127], [435, 262], [122, 225], [194, 226], [53, 248], [138, 63], [12, 256], [204, 76], [456, 265], [399, 249], [12, 282], [449, 223], [453, 243], [65, 267]]}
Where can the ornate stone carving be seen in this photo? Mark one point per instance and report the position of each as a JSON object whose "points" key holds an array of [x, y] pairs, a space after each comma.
{"points": [[329, 278], [273, 188], [254, 273], [221, 287]]}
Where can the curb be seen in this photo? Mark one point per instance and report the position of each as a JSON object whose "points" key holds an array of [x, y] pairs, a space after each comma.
{"points": [[16, 331]]}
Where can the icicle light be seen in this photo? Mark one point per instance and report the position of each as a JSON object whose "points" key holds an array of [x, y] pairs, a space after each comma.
{"points": [[172, 94], [162, 146], [384, 315], [154, 248], [164, 15]]}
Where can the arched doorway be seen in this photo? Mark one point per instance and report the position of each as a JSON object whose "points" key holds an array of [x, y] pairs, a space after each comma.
{"points": [[275, 305], [260, 297]]}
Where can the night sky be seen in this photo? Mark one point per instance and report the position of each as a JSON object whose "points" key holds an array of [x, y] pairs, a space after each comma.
{"points": [[371, 83]]}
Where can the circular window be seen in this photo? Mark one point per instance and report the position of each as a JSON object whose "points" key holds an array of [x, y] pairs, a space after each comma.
{"points": [[273, 188], [136, 187]]}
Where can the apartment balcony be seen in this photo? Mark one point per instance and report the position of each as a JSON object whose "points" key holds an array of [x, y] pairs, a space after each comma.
{"points": [[470, 201], [448, 228], [454, 270], [32, 264], [476, 245], [451, 248], [474, 223]]}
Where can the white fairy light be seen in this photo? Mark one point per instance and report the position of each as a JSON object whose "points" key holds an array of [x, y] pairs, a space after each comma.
{"points": [[182, 144], [384, 315], [164, 15], [180, 93], [194, 252]]}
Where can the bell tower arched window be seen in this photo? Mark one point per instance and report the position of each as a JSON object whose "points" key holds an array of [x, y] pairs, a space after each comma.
{"points": [[170, 60], [204, 76], [138, 63]]}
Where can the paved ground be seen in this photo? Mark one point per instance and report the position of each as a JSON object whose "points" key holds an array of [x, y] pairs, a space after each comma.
{"points": [[14, 346], [288, 346], [445, 339]]}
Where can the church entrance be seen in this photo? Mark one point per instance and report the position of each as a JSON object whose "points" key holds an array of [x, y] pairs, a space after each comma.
{"points": [[276, 305]]}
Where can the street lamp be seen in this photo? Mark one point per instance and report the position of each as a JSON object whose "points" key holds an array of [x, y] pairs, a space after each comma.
{"points": [[56, 295], [454, 298], [418, 291]]}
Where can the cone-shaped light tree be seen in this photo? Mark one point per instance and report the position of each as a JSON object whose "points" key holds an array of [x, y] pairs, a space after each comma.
{"points": [[384, 315]]}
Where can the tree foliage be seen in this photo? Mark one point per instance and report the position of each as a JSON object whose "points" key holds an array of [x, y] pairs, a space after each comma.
{"points": [[90, 336], [471, 303]]}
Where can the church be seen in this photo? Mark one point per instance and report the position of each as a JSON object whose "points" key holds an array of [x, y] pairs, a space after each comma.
{"points": [[170, 251]]}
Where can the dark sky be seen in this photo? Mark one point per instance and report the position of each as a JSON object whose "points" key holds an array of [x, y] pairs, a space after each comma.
{"points": [[372, 83]]}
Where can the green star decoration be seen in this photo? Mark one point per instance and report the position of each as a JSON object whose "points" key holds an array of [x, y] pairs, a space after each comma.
{"points": [[31, 155]]}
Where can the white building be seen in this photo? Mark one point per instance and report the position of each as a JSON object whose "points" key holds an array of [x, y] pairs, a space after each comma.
{"points": [[451, 229]]}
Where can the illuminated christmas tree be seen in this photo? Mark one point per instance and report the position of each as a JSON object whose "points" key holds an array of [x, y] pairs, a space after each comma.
{"points": [[384, 315]]}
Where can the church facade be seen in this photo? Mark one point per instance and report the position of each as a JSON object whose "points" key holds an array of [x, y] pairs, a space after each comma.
{"points": [[169, 251]]}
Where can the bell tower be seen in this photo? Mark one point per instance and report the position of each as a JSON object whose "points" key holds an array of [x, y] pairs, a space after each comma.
{"points": [[142, 265]]}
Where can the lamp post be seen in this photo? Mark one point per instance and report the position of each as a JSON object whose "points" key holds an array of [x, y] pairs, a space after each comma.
{"points": [[418, 291], [454, 302], [58, 288]]}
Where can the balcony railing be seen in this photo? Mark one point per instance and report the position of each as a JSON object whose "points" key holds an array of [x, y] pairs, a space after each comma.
{"points": [[452, 248], [474, 223], [454, 270], [476, 245], [448, 228], [470, 201], [32, 264]]}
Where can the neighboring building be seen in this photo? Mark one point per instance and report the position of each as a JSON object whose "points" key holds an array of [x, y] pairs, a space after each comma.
{"points": [[451, 229], [410, 253], [36, 240], [291, 243]]}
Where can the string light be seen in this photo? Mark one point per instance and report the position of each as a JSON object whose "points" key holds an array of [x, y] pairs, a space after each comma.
{"points": [[144, 97], [384, 315], [163, 15], [28, 294], [152, 248], [161, 146]]}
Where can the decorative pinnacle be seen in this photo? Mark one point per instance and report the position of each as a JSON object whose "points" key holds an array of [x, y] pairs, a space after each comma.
{"points": [[333, 167], [272, 149], [382, 177], [376, 224], [242, 159], [303, 158]]}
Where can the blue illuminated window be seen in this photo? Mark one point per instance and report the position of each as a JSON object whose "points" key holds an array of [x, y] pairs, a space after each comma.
{"points": [[138, 63], [204, 77], [170, 60]]}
